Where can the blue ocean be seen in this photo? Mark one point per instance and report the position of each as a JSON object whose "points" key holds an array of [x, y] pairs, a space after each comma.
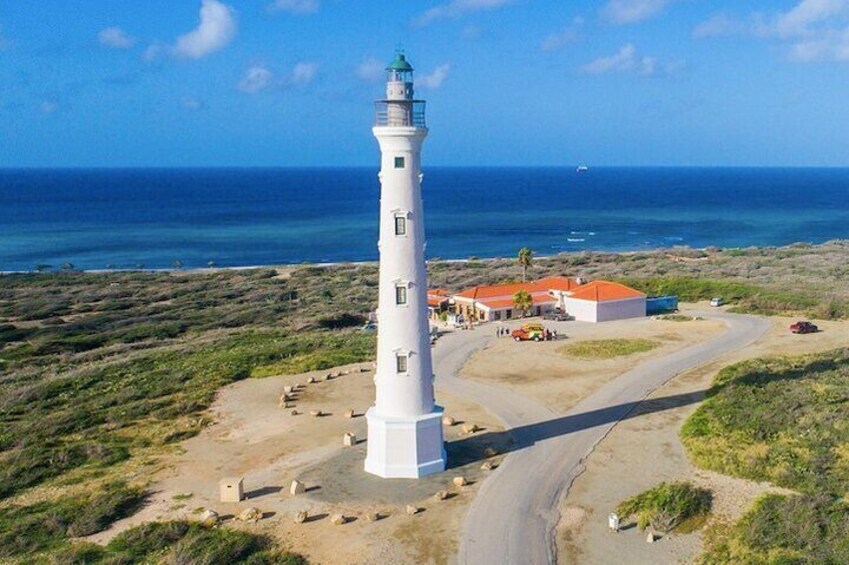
{"points": [[158, 218]]}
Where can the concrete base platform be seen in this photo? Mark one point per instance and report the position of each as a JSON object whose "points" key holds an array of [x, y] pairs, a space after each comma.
{"points": [[405, 448]]}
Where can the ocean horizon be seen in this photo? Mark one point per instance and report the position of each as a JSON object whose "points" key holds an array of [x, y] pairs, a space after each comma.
{"points": [[132, 218]]}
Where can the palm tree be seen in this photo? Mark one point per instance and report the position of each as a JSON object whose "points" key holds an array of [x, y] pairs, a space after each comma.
{"points": [[526, 257], [523, 301]]}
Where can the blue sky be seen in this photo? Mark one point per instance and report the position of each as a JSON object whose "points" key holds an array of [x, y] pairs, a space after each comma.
{"points": [[508, 82]]}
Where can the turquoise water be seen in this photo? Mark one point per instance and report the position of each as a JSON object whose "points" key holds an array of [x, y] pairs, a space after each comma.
{"points": [[129, 218]]}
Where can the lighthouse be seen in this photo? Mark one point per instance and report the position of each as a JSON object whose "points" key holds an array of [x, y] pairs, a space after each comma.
{"points": [[404, 425]]}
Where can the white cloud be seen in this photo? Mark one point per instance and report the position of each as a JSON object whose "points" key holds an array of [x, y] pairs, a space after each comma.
{"points": [[49, 107], [191, 103], [256, 79], [456, 8], [627, 60], [805, 14], [563, 38], [371, 69], [303, 74], [216, 29], [295, 6], [152, 52], [632, 11], [812, 30], [436, 78], [719, 25], [116, 38]]}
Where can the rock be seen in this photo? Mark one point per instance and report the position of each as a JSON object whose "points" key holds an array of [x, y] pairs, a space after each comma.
{"points": [[349, 414], [442, 495], [311, 380], [412, 509], [296, 488], [448, 421], [650, 537], [490, 452], [328, 377], [209, 518], [338, 519], [288, 389], [460, 481], [349, 440], [372, 516], [250, 515], [295, 413], [488, 466], [470, 428], [301, 517], [316, 413]]}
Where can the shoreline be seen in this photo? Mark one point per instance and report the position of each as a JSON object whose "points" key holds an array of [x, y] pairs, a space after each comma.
{"points": [[473, 259]]}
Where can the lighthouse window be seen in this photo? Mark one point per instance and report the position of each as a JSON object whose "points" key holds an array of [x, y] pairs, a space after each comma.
{"points": [[400, 225], [401, 363], [400, 294], [399, 162]]}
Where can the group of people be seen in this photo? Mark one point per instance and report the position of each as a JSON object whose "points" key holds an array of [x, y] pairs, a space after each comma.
{"points": [[502, 332]]}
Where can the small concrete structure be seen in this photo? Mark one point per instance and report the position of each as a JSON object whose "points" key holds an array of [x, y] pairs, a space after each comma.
{"points": [[231, 489], [296, 488], [613, 522], [603, 301], [349, 440]]}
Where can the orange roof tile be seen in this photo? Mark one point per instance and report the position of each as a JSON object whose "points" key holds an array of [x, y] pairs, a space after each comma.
{"points": [[499, 303], [508, 290], [436, 296], [603, 291]]}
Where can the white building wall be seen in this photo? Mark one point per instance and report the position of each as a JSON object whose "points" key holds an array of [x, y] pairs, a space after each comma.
{"points": [[621, 309], [582, 310]]}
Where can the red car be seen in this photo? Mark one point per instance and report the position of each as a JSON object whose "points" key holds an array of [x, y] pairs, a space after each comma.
{"points": [[803, 328]]}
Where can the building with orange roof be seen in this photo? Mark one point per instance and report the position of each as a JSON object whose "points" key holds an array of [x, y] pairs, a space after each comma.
{"points": [[603, 301], [494, 303], [437, 302], [598, 301]]}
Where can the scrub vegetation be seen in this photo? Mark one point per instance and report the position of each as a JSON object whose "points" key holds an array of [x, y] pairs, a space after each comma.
{"points": [[103, 373], [668, 506], [608, 348], [780, 420]]}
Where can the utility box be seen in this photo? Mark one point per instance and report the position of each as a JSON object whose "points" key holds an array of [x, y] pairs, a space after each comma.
{"points": [[232, 489]]}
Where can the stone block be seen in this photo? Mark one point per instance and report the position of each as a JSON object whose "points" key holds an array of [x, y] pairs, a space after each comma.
{"points": [[412, 509], [488, 466], [349, 440], [349, 414], [490, 452], [296, 488], [301, 517], [470, 428], [442, 495], [338, 519], [460, 481], [231, 489], [448, 421], [316, 413], [288, 389]]}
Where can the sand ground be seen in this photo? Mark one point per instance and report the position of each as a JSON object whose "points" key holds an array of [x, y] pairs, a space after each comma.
{"points": [[255, 438], [645, 450]]}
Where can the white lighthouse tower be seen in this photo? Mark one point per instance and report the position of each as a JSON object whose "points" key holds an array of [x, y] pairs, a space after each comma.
{"points": [[404, 425]]}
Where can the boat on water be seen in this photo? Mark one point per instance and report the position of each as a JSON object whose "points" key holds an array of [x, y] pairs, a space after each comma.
{"points": [[582, 169]]}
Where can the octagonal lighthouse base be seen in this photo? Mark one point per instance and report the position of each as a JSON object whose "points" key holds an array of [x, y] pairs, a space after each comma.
{"points": [[405, 448]]}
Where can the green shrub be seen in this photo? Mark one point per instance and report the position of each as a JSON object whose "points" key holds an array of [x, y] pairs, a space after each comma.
{"points": [[608, 348], [779, 530], [779, 420], [667, 506], [29, 529]]}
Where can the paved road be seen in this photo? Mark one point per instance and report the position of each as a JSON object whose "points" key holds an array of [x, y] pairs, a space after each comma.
{"points": [[513, 517]]}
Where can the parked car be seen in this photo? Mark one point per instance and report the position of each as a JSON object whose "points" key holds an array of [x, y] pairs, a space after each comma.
{"points": [[557, 316], [716, 301], [529, 332], [803, 328]]}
